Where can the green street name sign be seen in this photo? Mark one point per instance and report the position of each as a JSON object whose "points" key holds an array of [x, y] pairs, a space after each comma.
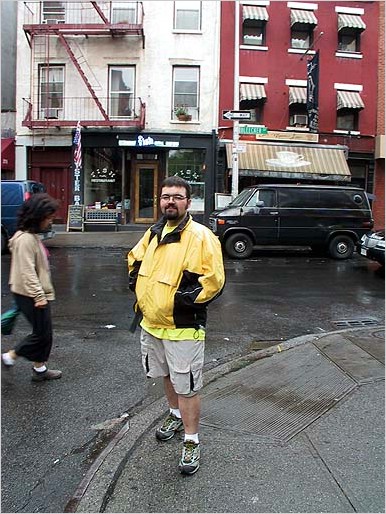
{"points": [[253, 129]]}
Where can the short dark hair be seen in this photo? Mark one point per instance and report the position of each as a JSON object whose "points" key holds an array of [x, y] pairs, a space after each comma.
{"points": [[34, 210], [176, 181]]}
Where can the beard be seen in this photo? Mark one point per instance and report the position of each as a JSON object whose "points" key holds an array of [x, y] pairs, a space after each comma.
{"points": [[171, 213]]}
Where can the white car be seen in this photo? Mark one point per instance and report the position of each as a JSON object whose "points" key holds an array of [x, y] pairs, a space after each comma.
{"points": [[372, 246]]}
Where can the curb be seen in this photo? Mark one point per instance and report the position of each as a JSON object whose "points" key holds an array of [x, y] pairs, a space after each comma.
{"points": [[99, 482]]}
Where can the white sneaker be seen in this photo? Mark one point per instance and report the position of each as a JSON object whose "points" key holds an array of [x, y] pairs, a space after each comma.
{"points": [[7, 360]]}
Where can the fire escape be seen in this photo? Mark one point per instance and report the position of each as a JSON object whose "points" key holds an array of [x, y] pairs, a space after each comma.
{"points": [[66, 24]]}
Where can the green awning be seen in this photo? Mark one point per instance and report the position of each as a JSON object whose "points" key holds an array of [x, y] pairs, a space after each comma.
{"points": [[254, 12], [301, 16], [297, 95], [252, 92], [349, 100]]}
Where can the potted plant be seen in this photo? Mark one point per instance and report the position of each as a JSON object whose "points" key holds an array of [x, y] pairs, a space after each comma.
{"points": [[182, 113]]}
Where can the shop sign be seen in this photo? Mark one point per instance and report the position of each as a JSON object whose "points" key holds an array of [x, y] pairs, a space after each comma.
{"points": [[149, 141], [102, 175]]}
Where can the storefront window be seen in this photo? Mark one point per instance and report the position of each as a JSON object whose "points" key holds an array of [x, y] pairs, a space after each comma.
{"points": [[189, 165], [103, 177]]}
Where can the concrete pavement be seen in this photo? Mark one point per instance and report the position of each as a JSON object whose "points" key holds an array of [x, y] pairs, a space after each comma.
{"points": [[297, 427]]}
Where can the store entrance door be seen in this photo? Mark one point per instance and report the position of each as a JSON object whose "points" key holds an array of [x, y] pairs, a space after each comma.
{"points": [[146, 199]]}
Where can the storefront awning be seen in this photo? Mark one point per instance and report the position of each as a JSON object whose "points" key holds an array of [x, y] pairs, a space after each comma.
{"points": [[350, 21], [253, 12], [349, 100], [301, 16], [288, 161], [252, 92], [297, 95], [8, 153]]}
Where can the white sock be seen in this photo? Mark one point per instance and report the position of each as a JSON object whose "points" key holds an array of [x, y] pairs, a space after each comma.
{"points": [[41, 369], [7, 359], [176, 412], [191, 437]]}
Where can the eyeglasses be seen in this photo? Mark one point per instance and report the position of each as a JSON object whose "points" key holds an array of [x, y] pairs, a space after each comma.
{"points": [[177, 198]]}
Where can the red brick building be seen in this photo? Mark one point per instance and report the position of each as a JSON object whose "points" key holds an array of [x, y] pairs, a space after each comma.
{"points": [[276, 40]]}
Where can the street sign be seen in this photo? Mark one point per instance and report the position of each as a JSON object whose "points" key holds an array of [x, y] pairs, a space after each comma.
{"points": [[253, 129], [239, 148], [236, 115]]}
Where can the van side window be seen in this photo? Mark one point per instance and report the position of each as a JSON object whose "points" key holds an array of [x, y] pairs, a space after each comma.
{"points": [[265, 195], [299, 198]]}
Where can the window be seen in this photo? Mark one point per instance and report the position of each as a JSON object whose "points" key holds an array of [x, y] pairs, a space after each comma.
{"points": [[186, 90], [262, 195], [350, 27], [302, 37], [349, 40], [254, 32], [348, 105], [254, 23], [122, 101], [124, 12], [187, 15], [252, 99], [51, 88], [347, 119], [189, 164], [302, 28], [53, 12], [298, 107]]}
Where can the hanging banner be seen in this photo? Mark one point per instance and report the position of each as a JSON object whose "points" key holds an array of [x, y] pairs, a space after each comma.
{"points": [[313, 92], [77, 193]]}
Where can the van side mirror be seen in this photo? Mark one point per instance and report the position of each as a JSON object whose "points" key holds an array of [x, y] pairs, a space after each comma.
{"points": [[260, 203]]}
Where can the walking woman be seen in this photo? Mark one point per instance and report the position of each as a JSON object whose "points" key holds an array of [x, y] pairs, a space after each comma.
{"points": [[30, 283]]}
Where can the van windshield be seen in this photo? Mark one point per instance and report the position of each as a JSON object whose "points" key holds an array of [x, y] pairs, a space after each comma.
{"points": [[241, 198]]}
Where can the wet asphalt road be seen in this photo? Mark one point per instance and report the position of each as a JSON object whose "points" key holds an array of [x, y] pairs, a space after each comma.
{"points": [[52, 431]]}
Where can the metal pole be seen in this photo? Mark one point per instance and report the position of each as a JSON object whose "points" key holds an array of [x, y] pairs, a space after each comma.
{"points": [[236, 103]]}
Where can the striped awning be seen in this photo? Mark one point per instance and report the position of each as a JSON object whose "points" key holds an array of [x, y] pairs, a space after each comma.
{"points": [[253, 12], [301, 16], [349, 100], [350, 21], [252, 92], [264, 160], [297, 95]]}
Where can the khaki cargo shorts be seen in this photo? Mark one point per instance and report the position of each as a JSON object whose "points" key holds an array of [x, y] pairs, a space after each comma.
{"points": [[182, 360]]}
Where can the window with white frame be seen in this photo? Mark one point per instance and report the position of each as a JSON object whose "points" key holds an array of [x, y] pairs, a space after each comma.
{"points": [[121, 85], [186, 81], [124, 12], [51, 91], [53, 12], [187, 15], [349, 40]]}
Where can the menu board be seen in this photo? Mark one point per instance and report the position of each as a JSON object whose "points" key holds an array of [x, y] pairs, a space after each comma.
{"points": [[75, 217]]}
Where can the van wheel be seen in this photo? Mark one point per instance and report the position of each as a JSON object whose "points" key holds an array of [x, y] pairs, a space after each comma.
{"points": [[341, 247], [239, 246]]}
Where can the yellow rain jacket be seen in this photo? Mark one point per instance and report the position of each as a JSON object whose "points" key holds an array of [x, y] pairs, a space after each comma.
{"points": [[175, 278]]}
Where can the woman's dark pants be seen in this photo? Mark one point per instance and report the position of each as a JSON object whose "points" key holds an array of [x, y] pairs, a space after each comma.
{"points": [[35, 347]]}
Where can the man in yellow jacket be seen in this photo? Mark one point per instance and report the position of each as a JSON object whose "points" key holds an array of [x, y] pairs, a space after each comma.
{"points": [[176, 269]]}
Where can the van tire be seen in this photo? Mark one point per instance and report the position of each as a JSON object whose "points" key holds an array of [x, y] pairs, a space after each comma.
{"points": [[239, 246], [341, 247]]}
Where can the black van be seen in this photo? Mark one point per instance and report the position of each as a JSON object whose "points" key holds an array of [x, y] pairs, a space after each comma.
{"points": [[13, 194], [327, 218]]}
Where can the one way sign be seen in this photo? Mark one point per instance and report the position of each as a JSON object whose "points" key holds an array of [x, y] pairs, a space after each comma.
{"points": [[236, 115]]}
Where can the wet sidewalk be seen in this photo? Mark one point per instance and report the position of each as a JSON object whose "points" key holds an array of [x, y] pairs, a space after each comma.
{"points": [[297, 427]]}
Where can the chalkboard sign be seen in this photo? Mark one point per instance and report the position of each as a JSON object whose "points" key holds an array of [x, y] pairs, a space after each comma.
{"points": [[75, 217]]}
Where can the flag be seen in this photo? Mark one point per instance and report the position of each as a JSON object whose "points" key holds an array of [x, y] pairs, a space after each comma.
{"points": [[313, 92], [77, 142]]}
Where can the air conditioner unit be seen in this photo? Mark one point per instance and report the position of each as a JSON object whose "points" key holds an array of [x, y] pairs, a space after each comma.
{"points": [[50, 114], [299, 119], [52, 21]]}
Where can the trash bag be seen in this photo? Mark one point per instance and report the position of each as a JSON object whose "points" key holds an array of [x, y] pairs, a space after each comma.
{"points": [[8, 320]]}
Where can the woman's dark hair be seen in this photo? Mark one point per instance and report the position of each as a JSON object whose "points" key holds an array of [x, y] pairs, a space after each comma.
{"points": [[177, 182], [34, 210]]}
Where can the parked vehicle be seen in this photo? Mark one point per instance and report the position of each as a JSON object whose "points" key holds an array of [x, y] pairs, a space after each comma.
{"points": [[372, 246], [327, 218], [13, 194]]}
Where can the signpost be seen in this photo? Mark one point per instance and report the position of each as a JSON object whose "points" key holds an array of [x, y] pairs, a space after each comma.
{"points": [[236, 115]]}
